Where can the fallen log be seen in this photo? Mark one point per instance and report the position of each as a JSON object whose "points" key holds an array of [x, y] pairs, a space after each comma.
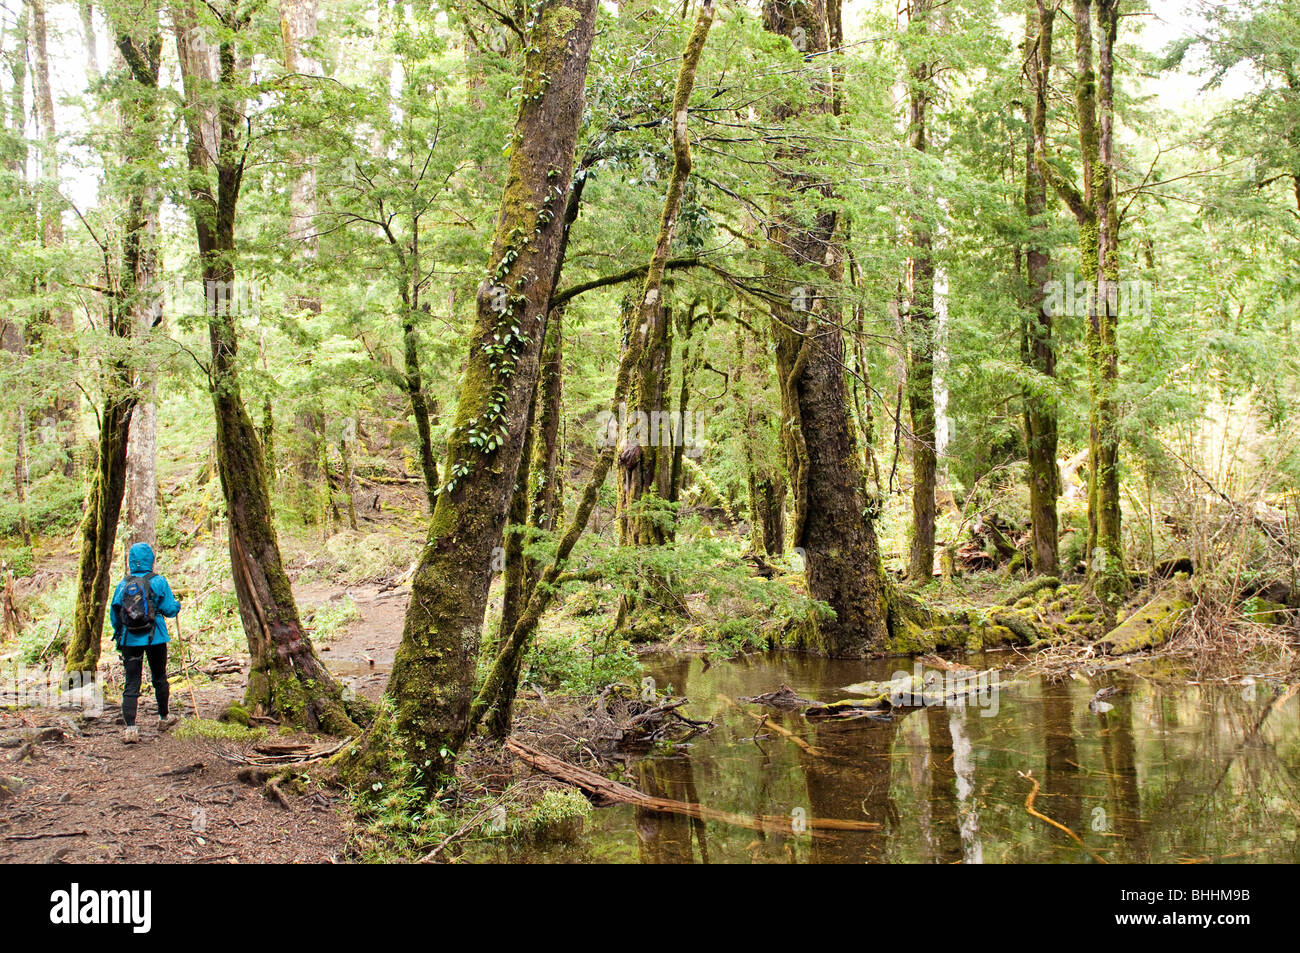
{"points": [[603, 791]]}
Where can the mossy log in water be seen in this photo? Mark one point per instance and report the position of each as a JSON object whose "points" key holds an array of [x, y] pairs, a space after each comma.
{"points": [[1039, 614]]}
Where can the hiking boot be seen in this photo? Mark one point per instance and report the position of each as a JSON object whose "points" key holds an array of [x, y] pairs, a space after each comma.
{"points": [[130, 735], [167, 722]]}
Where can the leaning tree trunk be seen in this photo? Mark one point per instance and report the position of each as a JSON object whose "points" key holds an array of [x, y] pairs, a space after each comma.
{"points": [[287, 679], [537, 499], [838, 541], [1039, 350], [432, 681]]}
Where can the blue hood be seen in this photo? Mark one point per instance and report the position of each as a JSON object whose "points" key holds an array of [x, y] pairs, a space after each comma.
{"points": [[140, 559]]}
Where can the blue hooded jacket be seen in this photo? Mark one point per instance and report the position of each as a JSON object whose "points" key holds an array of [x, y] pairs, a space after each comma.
{"points": [[140, 561]]}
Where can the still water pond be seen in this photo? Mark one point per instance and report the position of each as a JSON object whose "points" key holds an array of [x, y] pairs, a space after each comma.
{"points": [[1171, 772]]}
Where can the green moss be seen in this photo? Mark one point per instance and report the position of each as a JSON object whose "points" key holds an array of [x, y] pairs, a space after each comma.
{"points": [[1264, 612], [557, 816], [206, 728], [1147, 627], [235, 713]]}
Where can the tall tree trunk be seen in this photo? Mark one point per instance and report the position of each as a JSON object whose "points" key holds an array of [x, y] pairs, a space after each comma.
{"points": [[13, 336], [1110, 580], [540, 511], [297, 32], [838, 540], [645, 462], [688, 361], [1039, 349], [64, 408], [287, 678], [765, 478], [1094, 208], [87, 11], [920, 325], [419, 409], [548, 475], [432, 681], [308, 450]]}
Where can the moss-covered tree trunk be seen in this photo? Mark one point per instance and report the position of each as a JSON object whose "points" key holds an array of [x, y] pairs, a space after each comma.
{"points": [[140, 42], [548, 475], [12, 336], [688, 359], [1110, 580], [830, 526], [1094, 208], [414, 381], [1038, 346], [919, 322], [433, 673], [765, 478], [287, 679], [645, 460]]}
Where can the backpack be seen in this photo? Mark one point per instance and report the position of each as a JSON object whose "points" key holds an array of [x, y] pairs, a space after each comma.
{"points": [[138, 611]]}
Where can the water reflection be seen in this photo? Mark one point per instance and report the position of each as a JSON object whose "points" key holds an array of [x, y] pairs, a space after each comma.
{"points": [[1171, 772]]}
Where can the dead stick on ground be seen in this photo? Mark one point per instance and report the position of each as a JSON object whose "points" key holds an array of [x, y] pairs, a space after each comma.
{"points": [[43, 836], [1029, 806]]}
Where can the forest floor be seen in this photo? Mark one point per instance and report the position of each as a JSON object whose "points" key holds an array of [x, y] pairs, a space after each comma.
{"points": [[72, 792]]}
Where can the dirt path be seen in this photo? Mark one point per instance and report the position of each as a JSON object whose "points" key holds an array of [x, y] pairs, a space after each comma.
{"points": [[71, 791]]}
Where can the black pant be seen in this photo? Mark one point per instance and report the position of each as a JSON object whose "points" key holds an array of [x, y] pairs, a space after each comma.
{"points": [[133, 657]]}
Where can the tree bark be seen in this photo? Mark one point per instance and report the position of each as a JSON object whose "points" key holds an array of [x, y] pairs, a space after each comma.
{"points": [[765, 478], [920, 326], [63, 408], [499, 688], [830, 526], [1038, 346], [13, 336], [1110, 581]]}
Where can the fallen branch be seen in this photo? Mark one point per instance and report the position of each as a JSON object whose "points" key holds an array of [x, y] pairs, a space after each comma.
{"points": [[604, 791]]}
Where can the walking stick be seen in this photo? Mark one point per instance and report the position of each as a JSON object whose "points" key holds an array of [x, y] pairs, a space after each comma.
{"points": [[185, 660]]}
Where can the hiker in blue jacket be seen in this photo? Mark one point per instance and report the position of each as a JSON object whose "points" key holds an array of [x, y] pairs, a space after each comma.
{"points": [[142, 603]]}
